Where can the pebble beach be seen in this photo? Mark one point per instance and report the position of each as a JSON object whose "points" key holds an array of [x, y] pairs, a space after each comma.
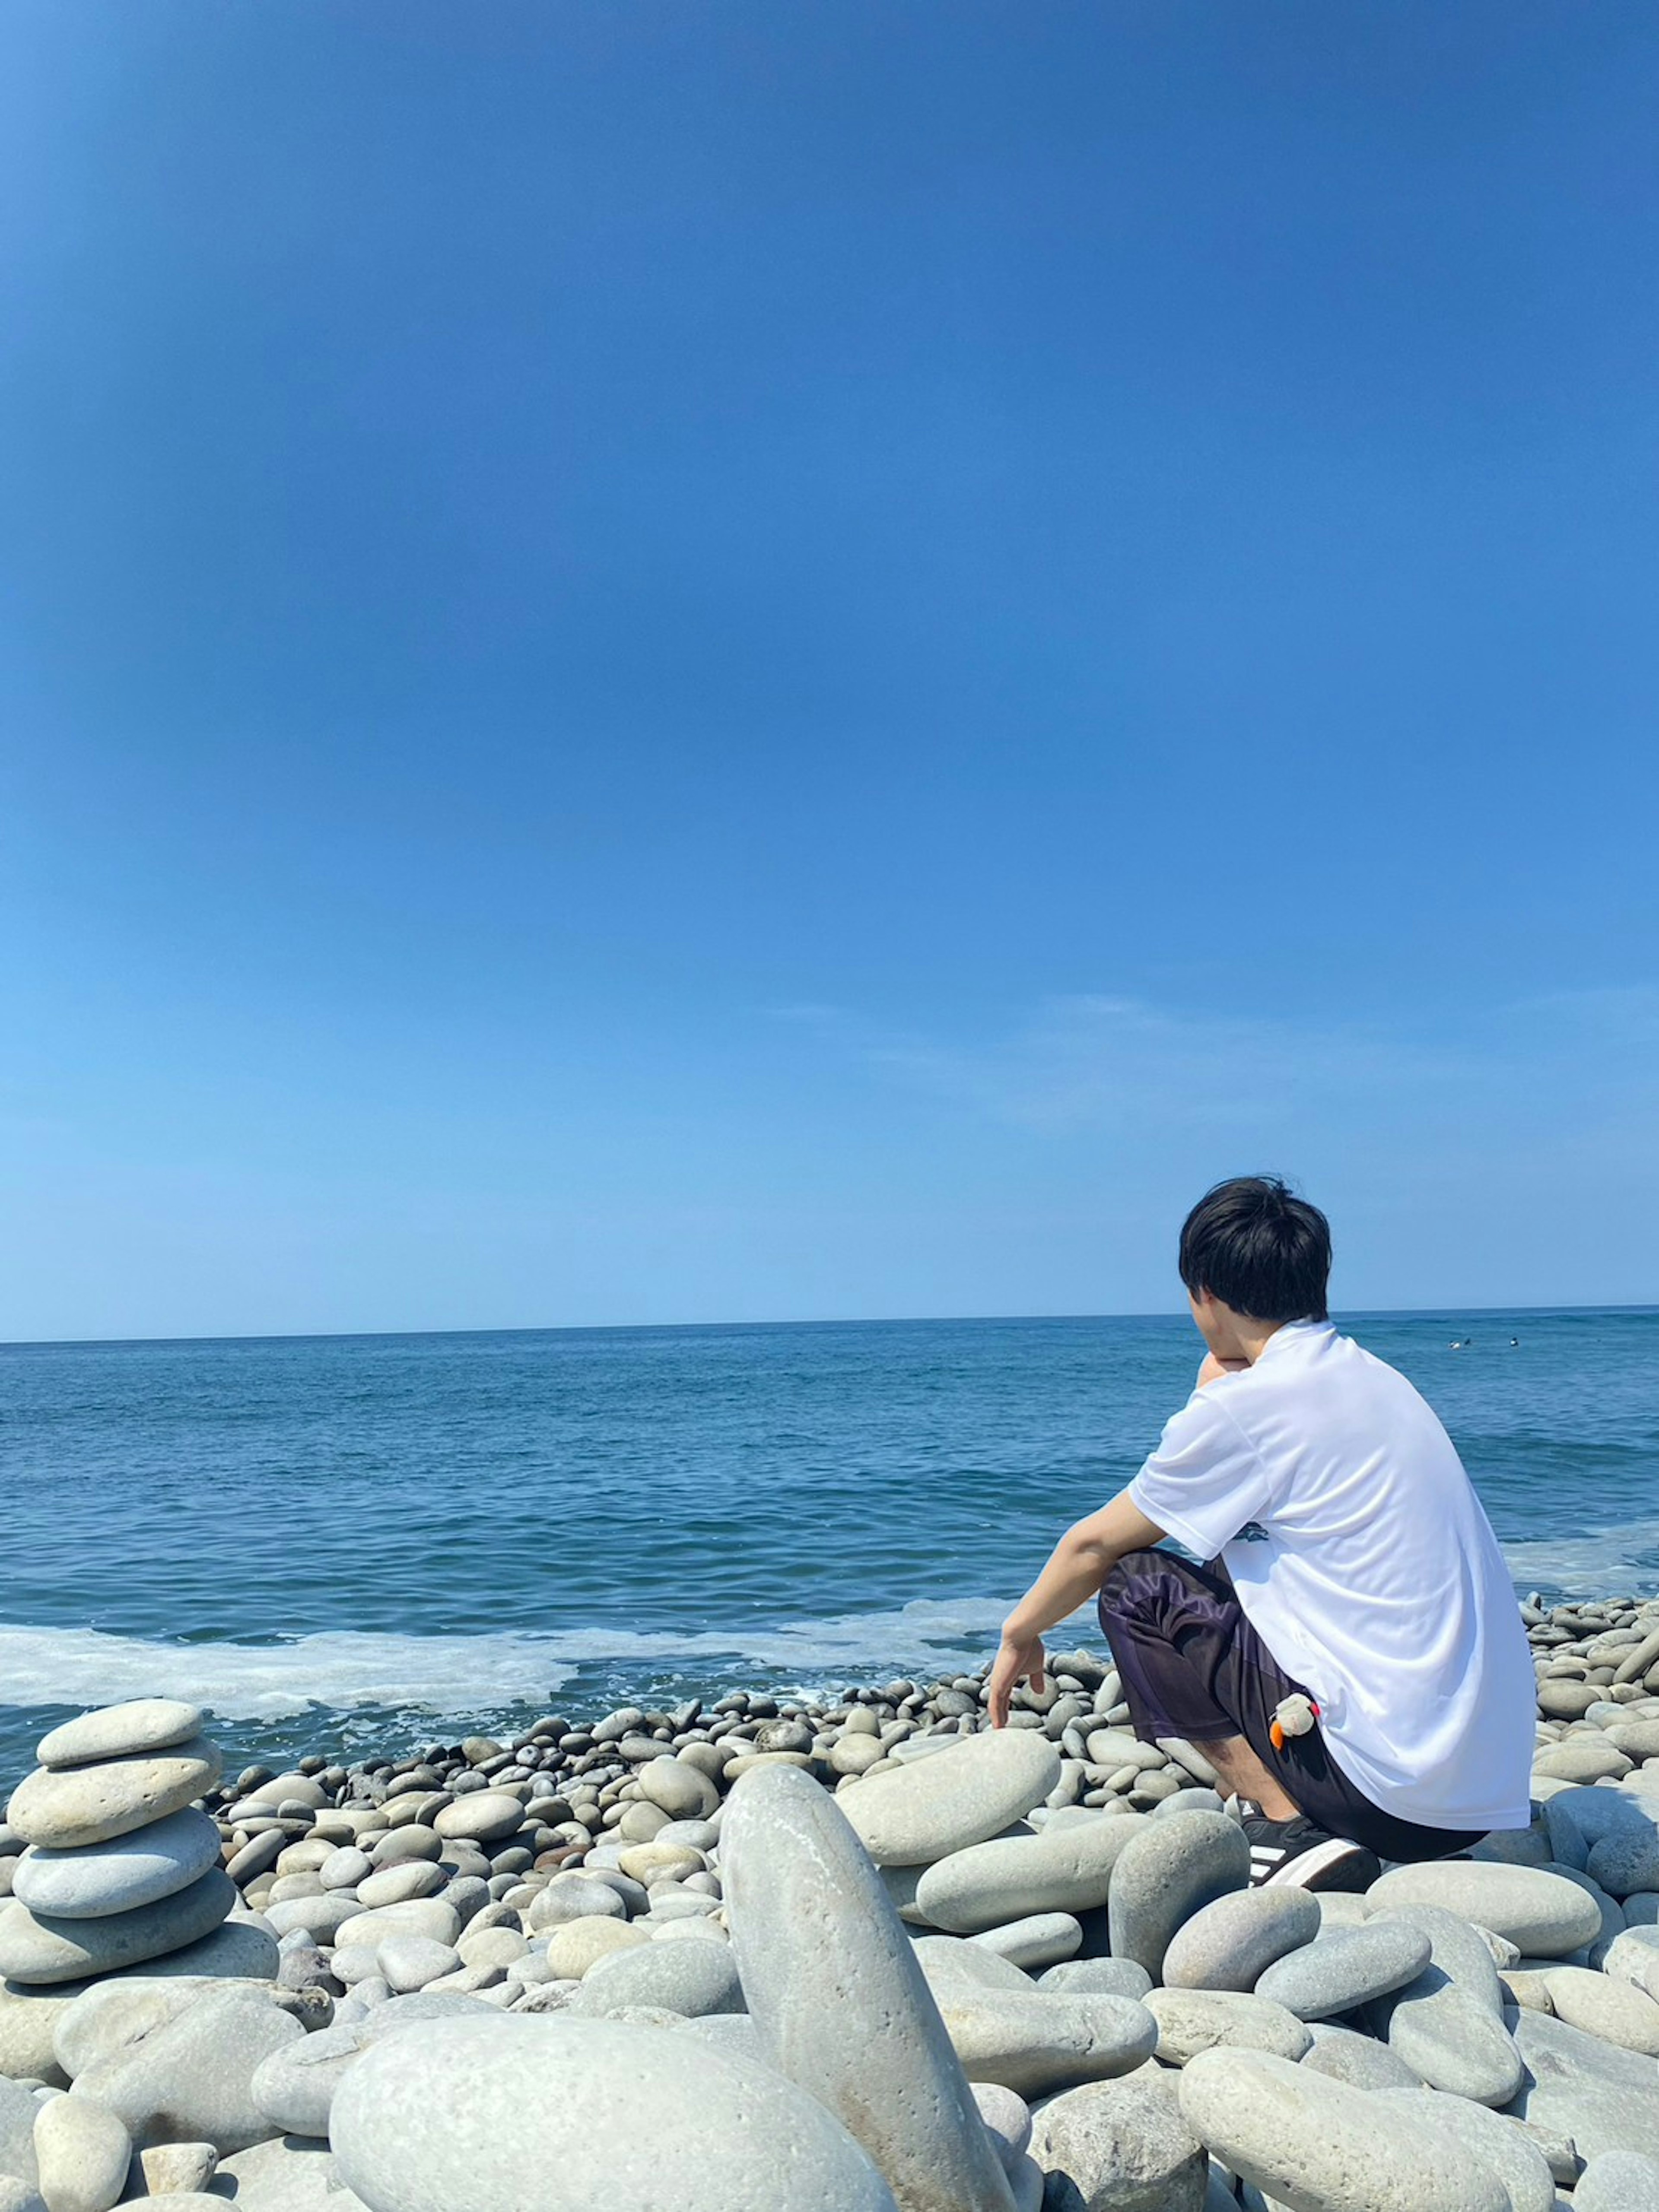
{"points": [[859, 1953]]}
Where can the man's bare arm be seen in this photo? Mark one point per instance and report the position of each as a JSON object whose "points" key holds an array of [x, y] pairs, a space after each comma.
{"points": [[1079, 1565], [1214, 1367]]}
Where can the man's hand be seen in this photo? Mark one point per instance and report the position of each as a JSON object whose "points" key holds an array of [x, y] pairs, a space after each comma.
{"points": [[1214, 1368], [1014, 1663]]}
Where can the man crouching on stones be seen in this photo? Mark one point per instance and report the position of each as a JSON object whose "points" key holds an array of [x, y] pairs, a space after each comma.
{"points": [[1353, 1580]]}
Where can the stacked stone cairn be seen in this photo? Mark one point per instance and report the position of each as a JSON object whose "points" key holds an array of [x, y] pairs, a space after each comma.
{"points": [[857, 1955]]}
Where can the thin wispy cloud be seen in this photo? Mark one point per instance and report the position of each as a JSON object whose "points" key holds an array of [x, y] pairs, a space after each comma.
{"points": [[1097, 1060]]}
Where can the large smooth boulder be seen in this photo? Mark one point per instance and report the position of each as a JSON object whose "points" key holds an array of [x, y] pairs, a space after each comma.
{"points": [[1317, 2144], [1064, 1869], [108, 2017], [1575, 2084], [910, 1814], [293, 2085], [129, 1871], [1632, 1957], [1613, 1835], [242, 1949], [1171, 1869], [140, 1728], [576, 1948], [1042, 1939], [1346, 1969], [1119, 2147], [1617, 2181], [190, 2079], [1500, 2144], [474, 2115], [838, 1996], [951, 1962], [1544, 1914], [1231, 1944], [41, 1948], [321, 1917], [89, 1804], [1448, 2024]]}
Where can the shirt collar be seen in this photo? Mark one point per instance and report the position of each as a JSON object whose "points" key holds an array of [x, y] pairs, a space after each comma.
{"points": [[1290, 1333]]}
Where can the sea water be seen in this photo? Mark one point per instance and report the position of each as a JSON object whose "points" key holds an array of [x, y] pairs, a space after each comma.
{"points": [[345, 1543]]}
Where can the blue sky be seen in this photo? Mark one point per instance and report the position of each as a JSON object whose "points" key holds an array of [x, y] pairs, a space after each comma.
{"points": [[666, 662]]}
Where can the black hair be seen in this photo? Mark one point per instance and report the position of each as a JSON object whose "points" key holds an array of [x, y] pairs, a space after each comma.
{"points": [[1258, 1248]]}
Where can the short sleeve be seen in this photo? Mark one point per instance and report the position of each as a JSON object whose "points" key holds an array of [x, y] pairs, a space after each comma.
{"points": [[1205, 1481]]}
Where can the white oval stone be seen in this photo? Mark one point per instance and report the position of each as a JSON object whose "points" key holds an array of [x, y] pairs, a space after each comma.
{"points": [[484, 1817], [838, 1996], [471, 2116], [83, 2151], [692, 1979], [140, 1868], [89, 1804], [142, 1725], [678, 1790], [577, 1945], [910, 1814], [417, 1916]]}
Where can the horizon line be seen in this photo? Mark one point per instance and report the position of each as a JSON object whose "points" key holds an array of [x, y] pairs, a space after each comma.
{"points": [[662, 1328]]}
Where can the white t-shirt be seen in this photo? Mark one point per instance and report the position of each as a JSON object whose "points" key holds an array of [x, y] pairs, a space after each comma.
{"points": [[1365, 1564]]}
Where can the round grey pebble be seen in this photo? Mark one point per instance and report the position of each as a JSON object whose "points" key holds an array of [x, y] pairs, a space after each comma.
{"points": [[1171, 1869], [1231, 1944], [692, 1979], [1345, 1969]]}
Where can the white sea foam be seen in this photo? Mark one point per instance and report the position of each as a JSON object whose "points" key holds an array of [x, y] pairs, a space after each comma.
{"points": [[1607, 1563], [351, 1670]]}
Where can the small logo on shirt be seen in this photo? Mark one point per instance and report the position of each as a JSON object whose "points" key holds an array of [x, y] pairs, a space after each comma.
{"points": [[1254, 1533]]}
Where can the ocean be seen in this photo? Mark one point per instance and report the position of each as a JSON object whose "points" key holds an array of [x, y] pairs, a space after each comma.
{"points": [[343, 1544]]}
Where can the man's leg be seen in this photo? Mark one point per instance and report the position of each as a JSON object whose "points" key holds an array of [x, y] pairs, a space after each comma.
{"points": [[1192, 1666], [1243, 1775], [1172, 1626]]}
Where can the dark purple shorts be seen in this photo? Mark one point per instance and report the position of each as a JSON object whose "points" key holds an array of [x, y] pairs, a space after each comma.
{"points": [[1192, 1666]]}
